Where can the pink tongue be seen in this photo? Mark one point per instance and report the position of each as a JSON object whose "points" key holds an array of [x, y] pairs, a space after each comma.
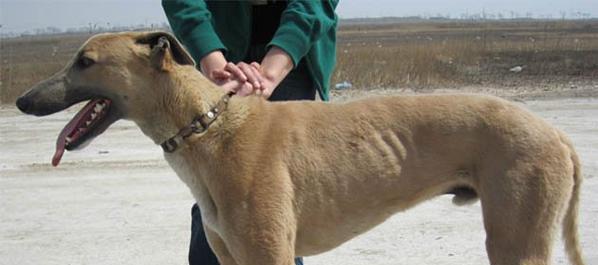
{"points": [[70, 128]]}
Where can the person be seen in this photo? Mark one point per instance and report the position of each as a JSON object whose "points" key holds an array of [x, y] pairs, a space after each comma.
{"points": [[281, 50]]}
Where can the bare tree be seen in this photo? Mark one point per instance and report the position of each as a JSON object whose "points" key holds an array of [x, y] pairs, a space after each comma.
{"points": [[92, 27]]}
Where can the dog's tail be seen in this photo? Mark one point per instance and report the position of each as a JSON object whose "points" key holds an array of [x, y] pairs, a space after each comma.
{"points": [[570, 233]]}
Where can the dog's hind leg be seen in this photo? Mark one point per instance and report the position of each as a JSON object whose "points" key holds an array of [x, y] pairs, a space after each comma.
{"points": [[521, 209]]}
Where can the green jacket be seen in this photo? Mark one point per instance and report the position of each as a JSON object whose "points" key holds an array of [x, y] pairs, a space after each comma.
{"points": [[307, 30]]}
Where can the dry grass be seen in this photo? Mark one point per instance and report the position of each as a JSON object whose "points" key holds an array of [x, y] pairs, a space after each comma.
{"points": [[455, 54], [414, 55], [28, 60]]}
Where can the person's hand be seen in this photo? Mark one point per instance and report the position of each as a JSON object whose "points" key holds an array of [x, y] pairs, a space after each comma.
{"points": [[265, 77], [275, 66], [245, 73], [267, 83], [225, 74], [262, 86], [212, 66], [244, 79]]}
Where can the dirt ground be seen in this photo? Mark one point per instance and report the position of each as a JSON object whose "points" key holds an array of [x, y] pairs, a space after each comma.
{"points": [[118, 202]]}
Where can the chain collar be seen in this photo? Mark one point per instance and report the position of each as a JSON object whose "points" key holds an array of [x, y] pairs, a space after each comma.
{"points": [[198, 125]]}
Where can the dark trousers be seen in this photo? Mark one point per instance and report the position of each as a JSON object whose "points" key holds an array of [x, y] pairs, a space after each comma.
{"points": [[296, 86]]}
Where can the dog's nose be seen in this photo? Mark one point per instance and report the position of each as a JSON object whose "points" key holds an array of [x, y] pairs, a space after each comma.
{"points": [[23, 104]]}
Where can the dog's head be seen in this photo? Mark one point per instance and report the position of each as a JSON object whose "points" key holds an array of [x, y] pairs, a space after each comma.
{"points": [[115, 73]]}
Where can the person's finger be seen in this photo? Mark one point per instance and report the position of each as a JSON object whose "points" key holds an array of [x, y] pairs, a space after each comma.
{"points": [[245, 89], [260, 80], [267, 93], [231, 86], [256, 65], [259, 92], [252, 76], [257, 68], [221, 74], [236, 71]]}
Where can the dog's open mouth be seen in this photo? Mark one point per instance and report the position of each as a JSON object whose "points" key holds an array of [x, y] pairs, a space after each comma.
{"points": [[87, 123]]}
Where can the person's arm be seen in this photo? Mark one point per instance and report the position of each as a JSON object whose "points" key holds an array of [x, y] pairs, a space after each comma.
{"points": [[190, 21], [302, 23]]}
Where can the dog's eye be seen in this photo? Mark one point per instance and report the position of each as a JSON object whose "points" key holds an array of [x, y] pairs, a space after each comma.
{"points": [[85, 62]]}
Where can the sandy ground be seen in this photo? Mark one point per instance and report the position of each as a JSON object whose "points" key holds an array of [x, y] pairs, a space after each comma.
{"points": [[118, 202]]}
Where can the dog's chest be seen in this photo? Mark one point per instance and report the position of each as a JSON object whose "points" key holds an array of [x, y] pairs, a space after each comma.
{"points": [[190, 176]]}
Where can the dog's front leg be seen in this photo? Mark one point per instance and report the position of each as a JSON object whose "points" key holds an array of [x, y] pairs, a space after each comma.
{"points": [[250, 252], [263, 233], [219, 247], [267, 247]]}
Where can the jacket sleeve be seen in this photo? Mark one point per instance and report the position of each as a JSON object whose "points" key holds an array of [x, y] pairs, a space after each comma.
{"points": [[302, 23], [191, 22]]}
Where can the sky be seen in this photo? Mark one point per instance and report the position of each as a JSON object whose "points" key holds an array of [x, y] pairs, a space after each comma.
{"points": [[23, 15]]}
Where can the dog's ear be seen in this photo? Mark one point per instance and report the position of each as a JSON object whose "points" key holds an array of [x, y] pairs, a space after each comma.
{"points": [[165, 49]]}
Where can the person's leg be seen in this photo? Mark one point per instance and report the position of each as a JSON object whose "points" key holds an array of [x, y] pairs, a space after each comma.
{"points": [[200, 252]]}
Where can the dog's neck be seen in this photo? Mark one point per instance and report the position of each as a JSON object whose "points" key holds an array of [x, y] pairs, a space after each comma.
{"points": [[186, 95]]}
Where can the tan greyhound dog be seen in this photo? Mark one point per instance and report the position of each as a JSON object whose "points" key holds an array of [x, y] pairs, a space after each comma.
{"points": [[279, 180]]}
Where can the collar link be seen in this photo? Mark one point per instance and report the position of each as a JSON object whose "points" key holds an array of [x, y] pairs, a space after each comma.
{"points": [[197, 125]]}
